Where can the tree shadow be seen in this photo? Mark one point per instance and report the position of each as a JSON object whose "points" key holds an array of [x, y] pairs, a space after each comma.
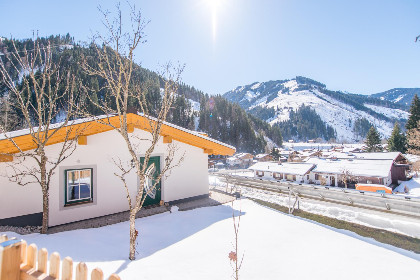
{"points": [[111, 243]]}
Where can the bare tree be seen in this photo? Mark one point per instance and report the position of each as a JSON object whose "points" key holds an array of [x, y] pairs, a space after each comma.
{"points": [[45, 93], [233, 255], [116, 66], [346, 177]]}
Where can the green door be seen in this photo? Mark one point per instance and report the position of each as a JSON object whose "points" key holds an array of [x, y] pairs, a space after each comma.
{"points": [[152, 172]]}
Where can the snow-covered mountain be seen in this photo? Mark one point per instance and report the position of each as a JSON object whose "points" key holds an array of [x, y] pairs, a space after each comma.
{"points": [[401, 96], [274, 100]]}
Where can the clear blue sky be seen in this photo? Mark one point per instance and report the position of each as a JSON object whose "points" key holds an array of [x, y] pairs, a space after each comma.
{"points": [[357, 46]]}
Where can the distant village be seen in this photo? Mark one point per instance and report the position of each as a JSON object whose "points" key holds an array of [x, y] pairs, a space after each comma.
{"points": [[347, 166]]}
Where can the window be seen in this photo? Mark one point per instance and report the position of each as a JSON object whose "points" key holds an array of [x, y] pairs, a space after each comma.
{"points": [[78, 187]]}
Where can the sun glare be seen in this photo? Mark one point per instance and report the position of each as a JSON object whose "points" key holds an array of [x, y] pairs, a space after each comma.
{"points": [[214, 6]]}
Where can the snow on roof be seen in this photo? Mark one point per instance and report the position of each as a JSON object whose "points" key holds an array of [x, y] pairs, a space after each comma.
{"points": [[388, 155], [261, 155], [240, 155], [411, 187], [412, 158], [340, 155], [296, 168], [357, 167]]}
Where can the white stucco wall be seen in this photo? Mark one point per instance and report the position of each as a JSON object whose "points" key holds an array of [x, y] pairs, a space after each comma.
{"points": [[188, 180]]}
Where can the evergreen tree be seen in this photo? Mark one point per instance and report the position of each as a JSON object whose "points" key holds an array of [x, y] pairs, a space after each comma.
{"points": [[414, 114], [397, 141], [373, 140], [275, 154]]}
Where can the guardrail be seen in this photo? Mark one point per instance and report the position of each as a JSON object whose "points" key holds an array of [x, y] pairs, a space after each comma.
{"points": [[386, 202]]}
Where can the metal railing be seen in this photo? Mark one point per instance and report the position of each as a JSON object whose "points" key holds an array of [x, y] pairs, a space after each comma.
{"points": [[380, 201]]}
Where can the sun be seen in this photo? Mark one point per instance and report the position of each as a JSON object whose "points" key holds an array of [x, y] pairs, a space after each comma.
{"points": [[214, 4]]}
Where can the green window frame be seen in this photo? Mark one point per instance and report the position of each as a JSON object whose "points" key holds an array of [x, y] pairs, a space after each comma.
{"points": [[78, 186]]}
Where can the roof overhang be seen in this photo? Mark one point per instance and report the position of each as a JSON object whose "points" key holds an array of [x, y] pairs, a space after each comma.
{"points": [[91, 126]]}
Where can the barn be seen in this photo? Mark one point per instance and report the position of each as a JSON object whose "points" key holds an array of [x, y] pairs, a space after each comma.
{"points": [[84, 185]]}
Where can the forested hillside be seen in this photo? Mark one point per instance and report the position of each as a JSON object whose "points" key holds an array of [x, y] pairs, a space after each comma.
{"points": [[192, 109]]}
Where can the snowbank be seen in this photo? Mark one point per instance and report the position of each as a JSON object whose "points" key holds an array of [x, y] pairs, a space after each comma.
{"points": [[409, 188]]}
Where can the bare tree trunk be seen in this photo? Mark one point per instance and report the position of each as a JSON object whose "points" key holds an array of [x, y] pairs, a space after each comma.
{"points": [[133, 235], [45, 211], [45, 192]]}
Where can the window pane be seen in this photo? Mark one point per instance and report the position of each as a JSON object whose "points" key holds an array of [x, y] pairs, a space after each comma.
{"points": [[85, 176], [73, 192], [84, 190], [71, 177]]}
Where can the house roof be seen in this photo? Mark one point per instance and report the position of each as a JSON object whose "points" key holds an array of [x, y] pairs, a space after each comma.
{"points": [[296, 168], [242, 155], [261, 155], [388, 155], [357, 167], [91, 126]]}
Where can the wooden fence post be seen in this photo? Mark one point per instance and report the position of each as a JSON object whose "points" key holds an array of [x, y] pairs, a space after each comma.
{"points": [[3, 238], [31, 256], [114, 277], [97, 274], [10, 260], [23, 247], [42, 260], [81, 271], [55, 265], [67, 269]]}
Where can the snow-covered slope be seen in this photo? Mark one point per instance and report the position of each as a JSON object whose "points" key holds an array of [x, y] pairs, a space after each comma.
{"points": [[340, 110], [401, 96]]}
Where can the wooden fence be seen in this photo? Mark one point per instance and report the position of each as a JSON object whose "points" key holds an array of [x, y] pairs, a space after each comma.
{"points": [[21, 262]]}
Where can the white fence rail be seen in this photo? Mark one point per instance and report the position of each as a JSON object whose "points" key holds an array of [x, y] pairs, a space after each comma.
{"points": [[386, 202]]}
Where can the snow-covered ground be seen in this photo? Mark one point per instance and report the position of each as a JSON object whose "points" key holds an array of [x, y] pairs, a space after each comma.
{"points": [[195, 245], [409, 188], [371, 218]]}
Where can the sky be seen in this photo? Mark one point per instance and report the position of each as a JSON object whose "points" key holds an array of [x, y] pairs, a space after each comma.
{"points": [[356, 46]]}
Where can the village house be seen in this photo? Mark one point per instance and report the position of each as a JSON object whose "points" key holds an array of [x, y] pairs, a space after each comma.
{"points": [[369, 168], [331, 172], [289, 171], [240, 160], [84, 185], [263, 157]]}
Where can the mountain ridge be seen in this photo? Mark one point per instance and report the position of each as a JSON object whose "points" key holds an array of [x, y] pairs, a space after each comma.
{"points": [[274, 100]]}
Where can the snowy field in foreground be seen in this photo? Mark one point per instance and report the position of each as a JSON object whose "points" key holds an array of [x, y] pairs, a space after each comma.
{"points": [[195, 245]]}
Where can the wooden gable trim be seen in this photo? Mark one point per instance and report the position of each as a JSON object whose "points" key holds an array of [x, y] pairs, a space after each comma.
{"points": [[82, 140], [6, 158], [130, 128], [167, 139], [25, 142]]}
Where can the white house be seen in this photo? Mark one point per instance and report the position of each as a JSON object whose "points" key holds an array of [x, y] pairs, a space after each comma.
{"points": [[84, 185], [241, 159], [329, 172], [290, 171]]}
